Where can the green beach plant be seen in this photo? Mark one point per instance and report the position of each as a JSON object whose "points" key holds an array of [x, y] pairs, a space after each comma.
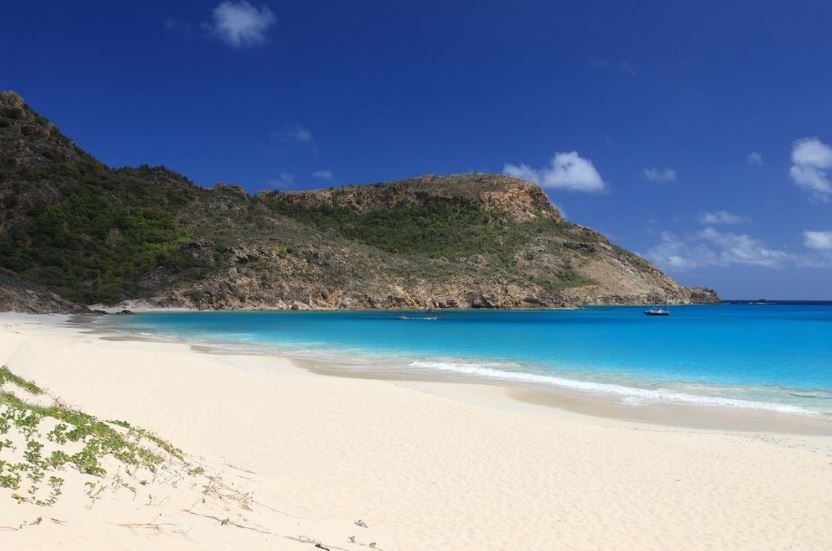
{"points": [[6, 376], [39, 442]]}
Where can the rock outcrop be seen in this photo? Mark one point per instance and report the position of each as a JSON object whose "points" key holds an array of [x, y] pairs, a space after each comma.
{"points": [[21, 296]]}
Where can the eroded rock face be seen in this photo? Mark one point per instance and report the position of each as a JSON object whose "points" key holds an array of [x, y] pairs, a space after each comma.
{"points": [[308, 278], [523, 202], [703, 295], [20, 296], [27, 139]]}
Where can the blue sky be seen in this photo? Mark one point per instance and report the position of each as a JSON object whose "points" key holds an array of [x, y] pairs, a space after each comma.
{"points": [[698, 134]]}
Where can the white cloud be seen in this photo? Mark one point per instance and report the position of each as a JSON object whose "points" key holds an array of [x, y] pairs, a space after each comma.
{"points": [[302, 135], [743, 249], [755, 158], [296, 134], [324, 175], [659, 175], [721, 217], [567, 171], [239, 24], [813, 152], [710, 247], [810, 160], [818, 240]]}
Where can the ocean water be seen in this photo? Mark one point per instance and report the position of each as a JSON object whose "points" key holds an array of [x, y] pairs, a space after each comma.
{"points": [[776, 356]]}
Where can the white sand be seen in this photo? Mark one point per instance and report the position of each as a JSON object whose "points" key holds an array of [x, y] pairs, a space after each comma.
{"points": [[423, 468]]}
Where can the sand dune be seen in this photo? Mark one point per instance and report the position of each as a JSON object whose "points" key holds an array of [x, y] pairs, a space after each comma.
{"points": [[423, 468]]}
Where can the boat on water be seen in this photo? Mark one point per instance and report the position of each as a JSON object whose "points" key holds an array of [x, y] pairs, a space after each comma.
{"points": [[657, 312], [420, 318]]}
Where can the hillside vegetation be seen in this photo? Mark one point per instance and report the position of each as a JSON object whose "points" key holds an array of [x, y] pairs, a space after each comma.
{"points": [[93, 234]]}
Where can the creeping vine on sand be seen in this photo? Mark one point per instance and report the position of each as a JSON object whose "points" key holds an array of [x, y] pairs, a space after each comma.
{"points": [[38, 442]]}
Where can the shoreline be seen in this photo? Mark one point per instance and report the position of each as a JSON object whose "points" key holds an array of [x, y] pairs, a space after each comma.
{"points": [[602, 400], [425, 465], [140, 307]]}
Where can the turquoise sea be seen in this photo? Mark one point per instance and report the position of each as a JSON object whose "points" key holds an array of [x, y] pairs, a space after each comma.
{"points": [[775, 356]]}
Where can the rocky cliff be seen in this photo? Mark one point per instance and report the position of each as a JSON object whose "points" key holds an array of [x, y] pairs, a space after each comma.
{"points": [[94, 234], [21, 296]]}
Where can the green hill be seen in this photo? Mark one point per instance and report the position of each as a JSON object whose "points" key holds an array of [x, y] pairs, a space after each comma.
{"points": [[94, 234]]}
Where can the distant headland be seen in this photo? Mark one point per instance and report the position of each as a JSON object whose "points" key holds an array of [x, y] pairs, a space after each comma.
{"points": [[74, 231]]}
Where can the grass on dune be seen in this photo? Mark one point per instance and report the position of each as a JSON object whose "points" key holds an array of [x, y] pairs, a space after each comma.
{"points": [[6, 376], [41, 441]]}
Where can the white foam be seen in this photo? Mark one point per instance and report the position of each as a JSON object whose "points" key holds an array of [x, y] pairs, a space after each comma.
{"points": [[631, 394]]}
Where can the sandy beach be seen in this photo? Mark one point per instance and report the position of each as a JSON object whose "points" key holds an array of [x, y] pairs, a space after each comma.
{"points": [[300, 457]]}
